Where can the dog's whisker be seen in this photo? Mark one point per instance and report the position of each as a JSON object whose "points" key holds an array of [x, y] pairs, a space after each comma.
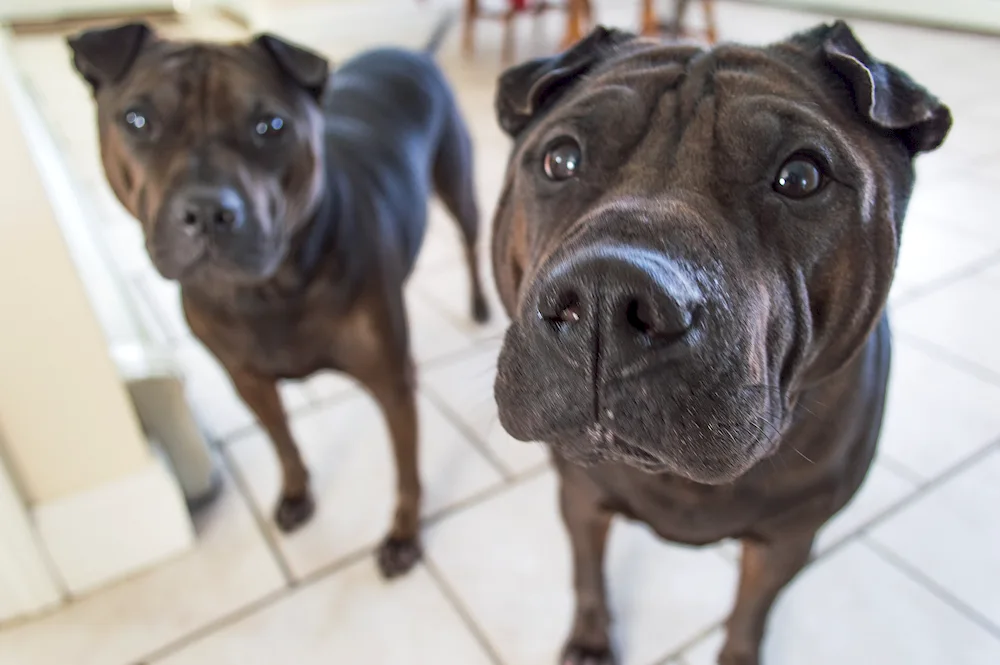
{"points": [[803, 455]]}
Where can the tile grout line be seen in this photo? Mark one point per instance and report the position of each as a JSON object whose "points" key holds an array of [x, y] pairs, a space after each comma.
{"points": [[259, 605], [492, 492], [324, 572], [948, 356], [930, 585], [900, 470], [485, 495], [920, 492], [332, 569], [445, 311], [469, 433], [463, 612], [263, 525], [861, 535], [677, 655], [941, 282], [476, 346], [214, 626]]}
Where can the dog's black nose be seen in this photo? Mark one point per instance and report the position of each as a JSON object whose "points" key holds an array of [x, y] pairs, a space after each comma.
{"points": [[211, 209], [627, 294]]}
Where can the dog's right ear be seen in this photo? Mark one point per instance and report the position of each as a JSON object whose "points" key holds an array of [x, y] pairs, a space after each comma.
{"points": [[105, 55], [526, 89], [308, 69]]}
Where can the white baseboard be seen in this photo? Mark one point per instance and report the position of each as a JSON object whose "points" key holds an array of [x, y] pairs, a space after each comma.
{"points": [[27, 586], [115, 530]]}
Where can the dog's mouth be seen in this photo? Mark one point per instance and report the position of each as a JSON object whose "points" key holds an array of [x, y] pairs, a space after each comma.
{"points": [[599, 444]]}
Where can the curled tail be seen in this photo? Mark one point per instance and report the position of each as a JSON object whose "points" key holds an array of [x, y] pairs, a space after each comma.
{"points": [[440, 32]]}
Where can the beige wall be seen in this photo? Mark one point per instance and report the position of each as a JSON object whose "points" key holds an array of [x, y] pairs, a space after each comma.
{"points": [[967, 14], [65, 418]]}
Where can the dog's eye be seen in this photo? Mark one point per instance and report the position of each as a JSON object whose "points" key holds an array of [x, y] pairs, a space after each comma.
{"points": [[562, 159], [269, 126], [799, 177], [136, 120]]}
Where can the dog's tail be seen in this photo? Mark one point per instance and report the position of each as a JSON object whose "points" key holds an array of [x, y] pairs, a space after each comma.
{"points": [[440, 32]]}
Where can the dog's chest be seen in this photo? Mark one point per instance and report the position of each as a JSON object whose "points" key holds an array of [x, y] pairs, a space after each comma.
{"points": [[681, 511], [287, 344]]}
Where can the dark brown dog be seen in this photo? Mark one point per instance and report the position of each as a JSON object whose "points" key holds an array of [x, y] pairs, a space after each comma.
{"points": [[696, 248], [290, 207]]}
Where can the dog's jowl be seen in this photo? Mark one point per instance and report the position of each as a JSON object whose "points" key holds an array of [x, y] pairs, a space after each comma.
{"points": [[290, 206], [695, 248]]}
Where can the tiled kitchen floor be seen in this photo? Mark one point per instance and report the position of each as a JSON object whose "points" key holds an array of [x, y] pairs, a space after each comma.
{"points": [[909, 574]]}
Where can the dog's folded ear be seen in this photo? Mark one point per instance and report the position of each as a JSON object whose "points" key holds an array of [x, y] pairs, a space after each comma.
{"points": [[104, 55], [526, 89], [885, 95], [308, 69]]}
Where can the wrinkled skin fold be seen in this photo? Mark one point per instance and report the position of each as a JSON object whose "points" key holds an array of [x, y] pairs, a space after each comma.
{"points": [[695, 248]]}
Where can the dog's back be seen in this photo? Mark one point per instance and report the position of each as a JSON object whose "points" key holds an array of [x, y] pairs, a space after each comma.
{"points": [[385, 112]]}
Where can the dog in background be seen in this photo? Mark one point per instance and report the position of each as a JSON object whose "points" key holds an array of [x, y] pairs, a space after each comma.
{"points": [[290, 206]]}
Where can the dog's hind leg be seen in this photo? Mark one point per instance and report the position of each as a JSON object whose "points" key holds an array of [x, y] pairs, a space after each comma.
{"points": [[377, 355], [295, 506], [456, 187]]}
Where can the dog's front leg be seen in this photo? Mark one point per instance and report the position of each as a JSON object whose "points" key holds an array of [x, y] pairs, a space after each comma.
{"points": [[587, 522], [765, 568], [295, 506]]}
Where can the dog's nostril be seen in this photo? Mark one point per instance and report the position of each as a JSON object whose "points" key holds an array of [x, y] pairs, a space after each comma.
{"points": [[570, 313], [225, 217], [567, 310], [666, 324], [190, 218], [638, 316]]}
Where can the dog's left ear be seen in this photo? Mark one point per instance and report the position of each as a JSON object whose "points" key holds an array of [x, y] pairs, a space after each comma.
{"points": [[307, 68], [887, 96], [526, 89], [103, 56]]}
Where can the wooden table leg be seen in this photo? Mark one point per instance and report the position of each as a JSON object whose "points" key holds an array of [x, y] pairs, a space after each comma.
{"points": [[468, 34]]}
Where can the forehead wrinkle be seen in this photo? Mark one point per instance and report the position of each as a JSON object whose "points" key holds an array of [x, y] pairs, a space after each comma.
{"points": [[768, 66]]}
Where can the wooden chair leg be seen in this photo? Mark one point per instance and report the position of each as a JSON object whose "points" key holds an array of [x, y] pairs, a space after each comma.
{"points": [[711, 30], [507, 51], [677, 22], [469, 31], [650, 25], [575, 13]]}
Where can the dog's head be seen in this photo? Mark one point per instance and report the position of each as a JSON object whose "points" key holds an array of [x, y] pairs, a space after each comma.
{"points": [[215, 148], [687, 239]]}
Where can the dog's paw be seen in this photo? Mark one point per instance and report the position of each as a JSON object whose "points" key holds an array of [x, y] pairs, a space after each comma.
{"points": [[575, 654], [480, 309], [293, 512], [396, 556]]}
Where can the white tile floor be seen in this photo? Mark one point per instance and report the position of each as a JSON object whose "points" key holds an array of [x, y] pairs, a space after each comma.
{"points": [[909, 574]]}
